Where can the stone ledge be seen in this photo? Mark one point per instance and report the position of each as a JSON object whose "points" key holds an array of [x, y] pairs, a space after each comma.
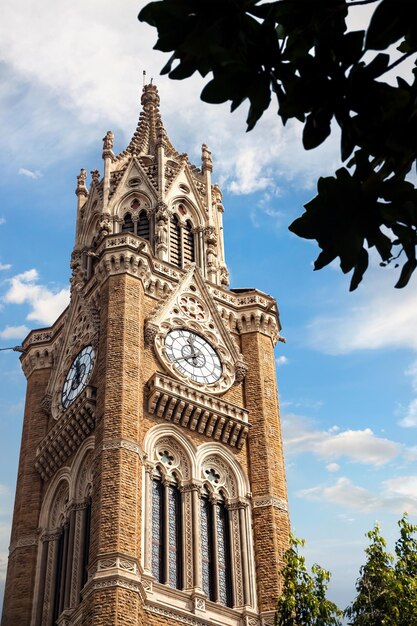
{"points": [[198, 411], [66, 436]]}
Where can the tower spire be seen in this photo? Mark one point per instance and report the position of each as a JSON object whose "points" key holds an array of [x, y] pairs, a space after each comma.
{"points": [[150, 127]]}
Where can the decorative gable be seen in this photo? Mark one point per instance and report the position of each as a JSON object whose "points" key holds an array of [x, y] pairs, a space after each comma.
{"points": [[191, 307]]}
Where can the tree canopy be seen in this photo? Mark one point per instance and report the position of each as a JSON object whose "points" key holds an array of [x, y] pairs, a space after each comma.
{"points": [[387, 586], [303, 600], [301, 53]]}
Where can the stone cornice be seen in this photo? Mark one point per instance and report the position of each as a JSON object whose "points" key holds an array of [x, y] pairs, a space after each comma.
{"points": [[67, 434], [198, 411]]}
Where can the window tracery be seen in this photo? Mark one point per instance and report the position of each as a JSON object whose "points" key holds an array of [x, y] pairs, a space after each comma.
{"points": [[63, 556], [200, 519]]}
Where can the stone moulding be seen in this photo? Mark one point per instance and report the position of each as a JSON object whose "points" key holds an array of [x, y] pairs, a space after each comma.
{"points": [[195, 410], [264, 501], [67, 434]]}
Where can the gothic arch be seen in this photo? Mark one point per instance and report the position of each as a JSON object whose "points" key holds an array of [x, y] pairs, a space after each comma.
{"points": [[60, 483], [174, 440], [81, 471], [232, 478], [193, 211], [123, 205]]}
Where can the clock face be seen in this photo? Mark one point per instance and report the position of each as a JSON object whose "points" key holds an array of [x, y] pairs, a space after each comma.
{"points": [[193, 356], [78, 375]]}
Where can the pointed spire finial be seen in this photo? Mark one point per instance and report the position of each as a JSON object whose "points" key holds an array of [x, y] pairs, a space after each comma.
{"points": [[150, 96], [206, 160]]}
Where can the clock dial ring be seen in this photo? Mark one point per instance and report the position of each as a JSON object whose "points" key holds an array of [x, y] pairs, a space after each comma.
{"points": [[193, 356], [77, 376]]}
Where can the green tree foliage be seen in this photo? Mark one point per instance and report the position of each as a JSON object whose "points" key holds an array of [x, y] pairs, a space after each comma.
{"points": [[301, 53], [303, 600], [387, 587]]}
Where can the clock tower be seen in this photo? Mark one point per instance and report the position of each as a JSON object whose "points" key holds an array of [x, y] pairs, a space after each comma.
{"points": [[151, 485]]}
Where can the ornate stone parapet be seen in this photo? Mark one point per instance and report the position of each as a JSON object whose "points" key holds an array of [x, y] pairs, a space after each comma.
{"points": [[195, 410]]}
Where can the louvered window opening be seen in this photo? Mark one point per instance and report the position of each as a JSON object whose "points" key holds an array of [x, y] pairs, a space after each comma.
{"points": [[127, 226], [143, 226], [189, 253], [175, 241]]}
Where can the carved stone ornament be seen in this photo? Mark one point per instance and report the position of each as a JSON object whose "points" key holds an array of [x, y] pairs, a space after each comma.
{"points": [[151, 330], [241, 369], [108, 141], [191, 307], [47, 403]]}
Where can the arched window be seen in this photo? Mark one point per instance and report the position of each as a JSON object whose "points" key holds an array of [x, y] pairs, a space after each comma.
{"points": [[197, 523], [166, 532], [215, 549], [127, 226], [175, 240], [189, 254], [143, 225]]}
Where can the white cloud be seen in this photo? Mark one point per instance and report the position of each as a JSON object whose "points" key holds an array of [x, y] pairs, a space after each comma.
{"points": [[46, 305], [404, 485], [410, 418], [359, 446], [4, 266], [362, 320], [333, 467], [344, 493], [398, 495], [29, 173], [53, 73], [411, 371], [281, 360], [2, 220], [14, 332]]}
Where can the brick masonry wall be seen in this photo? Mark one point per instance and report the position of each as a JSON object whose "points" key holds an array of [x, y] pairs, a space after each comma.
{"points": [[266, 465], [123, 367], [29, 493]]}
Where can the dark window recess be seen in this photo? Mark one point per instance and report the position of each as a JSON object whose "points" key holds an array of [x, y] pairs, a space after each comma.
{"points": [[175, 241], [143, 225], [127, 226], [189, 253]]}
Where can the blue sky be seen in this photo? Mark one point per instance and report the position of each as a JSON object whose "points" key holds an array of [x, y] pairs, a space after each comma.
{"points": [[347, 375]]}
